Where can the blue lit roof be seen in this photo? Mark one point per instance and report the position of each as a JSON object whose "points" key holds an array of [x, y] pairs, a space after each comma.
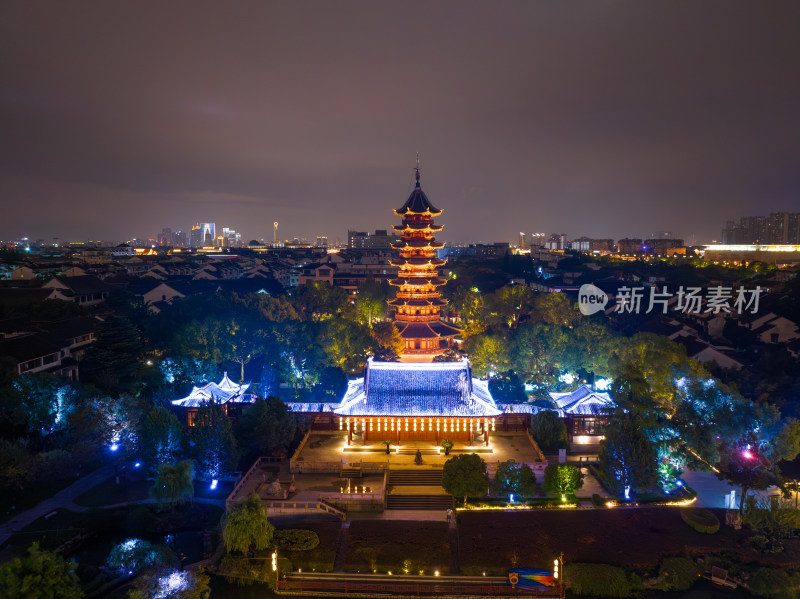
{"points": [[223, 392], [437, 389], [583, 401]]}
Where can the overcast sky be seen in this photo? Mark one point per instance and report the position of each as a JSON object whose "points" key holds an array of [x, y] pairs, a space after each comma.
{"points": [[597, 118]]}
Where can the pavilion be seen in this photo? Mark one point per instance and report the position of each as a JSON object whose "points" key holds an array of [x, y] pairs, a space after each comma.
{"points": [[226, 394], [420, 401]]}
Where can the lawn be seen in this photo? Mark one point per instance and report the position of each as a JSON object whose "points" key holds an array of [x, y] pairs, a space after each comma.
{"points": [[136, 487], [323, 556], [631, 538], [109, 492], [384, 545]]}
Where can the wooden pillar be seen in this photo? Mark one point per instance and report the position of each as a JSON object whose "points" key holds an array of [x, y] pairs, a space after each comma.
{"points": [[486, 435], [349, 433], [364, 432]]}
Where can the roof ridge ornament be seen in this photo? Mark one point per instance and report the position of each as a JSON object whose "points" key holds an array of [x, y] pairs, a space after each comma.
{"points": [[417, 169]]}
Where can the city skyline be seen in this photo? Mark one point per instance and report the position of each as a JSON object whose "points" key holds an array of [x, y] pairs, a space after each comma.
{"points": [[587, 118]]}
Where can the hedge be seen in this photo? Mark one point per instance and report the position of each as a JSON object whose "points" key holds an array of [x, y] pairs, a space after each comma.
{"points": [[701, 519], [600, 580], [296, 539], [678, 573]]}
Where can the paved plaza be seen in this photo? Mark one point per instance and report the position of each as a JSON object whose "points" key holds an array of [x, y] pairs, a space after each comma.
{"points": [[332, 447]]}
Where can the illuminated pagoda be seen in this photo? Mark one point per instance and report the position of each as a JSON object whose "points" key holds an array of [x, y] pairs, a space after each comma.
{"points": [[418, 302], [419, 401]]}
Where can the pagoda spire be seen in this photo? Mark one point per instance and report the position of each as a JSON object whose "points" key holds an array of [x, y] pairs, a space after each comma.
{"points": [[417, 169]]}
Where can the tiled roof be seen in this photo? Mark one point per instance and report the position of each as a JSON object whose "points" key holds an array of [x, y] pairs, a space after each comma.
{"points": [[426, 330], [435, 389], [417, 203], [583, 401], [224, 392]]}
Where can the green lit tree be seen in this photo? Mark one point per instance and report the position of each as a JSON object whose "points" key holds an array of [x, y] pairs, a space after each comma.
{"points": [[39, 575], [514, 479], [388, 344], [174, 482], [562, 479], [465, 476], [246, 526]]}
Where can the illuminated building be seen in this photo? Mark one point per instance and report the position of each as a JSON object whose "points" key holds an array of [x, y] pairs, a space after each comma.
{"points": [[420, 401], [418, 301], [226, 394]]}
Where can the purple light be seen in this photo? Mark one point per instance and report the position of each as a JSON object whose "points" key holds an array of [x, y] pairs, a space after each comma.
{"points": [[747, 454]]}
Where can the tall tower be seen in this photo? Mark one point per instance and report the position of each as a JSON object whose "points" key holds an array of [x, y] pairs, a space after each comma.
{"points": [[418, 301]]}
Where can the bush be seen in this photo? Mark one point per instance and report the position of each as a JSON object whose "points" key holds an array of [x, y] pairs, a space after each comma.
{"points": [[296, 539], [601, 580], [774, 584], [701, 519], [597, 500], [678, 573]]}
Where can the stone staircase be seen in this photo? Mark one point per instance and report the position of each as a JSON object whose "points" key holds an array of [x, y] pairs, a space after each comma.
{"points": [[428, 477], [350, 471], [419, 502]]}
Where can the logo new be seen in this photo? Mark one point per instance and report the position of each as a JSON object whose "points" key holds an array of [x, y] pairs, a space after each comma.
{"points": [[591, 299]]}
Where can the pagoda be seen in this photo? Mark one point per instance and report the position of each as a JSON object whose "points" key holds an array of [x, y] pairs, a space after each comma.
{"points": [[418, 301]]}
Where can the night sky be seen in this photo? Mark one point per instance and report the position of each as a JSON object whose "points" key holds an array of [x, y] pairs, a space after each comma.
{"points": [[591, 118]]}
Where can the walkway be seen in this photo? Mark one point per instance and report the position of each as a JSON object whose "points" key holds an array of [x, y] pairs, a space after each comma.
{"points": [[64, 499]]}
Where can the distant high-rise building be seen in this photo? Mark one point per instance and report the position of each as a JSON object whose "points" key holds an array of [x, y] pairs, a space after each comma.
{"points": [[381, 240], [779, 228], [322, 242], [165, 237], [208, 234], [556, 241], [196, 236]]}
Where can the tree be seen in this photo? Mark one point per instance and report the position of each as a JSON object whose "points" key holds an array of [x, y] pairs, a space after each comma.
{"points": [[266, 427], [370, 302], [388, 344], [173, 482], [628, 461], [556, 309], [39, 575], [113, 362], [160, 437], [514, 479], [562, 479], [213, 443], [246, 526], [465, 476], [549, 431], [488, 352], [752, 460], [345, 342], [511, 304], [135, 555], [45, 403], [166, 583]]}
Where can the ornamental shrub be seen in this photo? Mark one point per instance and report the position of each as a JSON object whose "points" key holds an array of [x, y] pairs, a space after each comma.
{"points": [[600, 580], [701, 519], [774, 584], [296, 539], [678, 573]]}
